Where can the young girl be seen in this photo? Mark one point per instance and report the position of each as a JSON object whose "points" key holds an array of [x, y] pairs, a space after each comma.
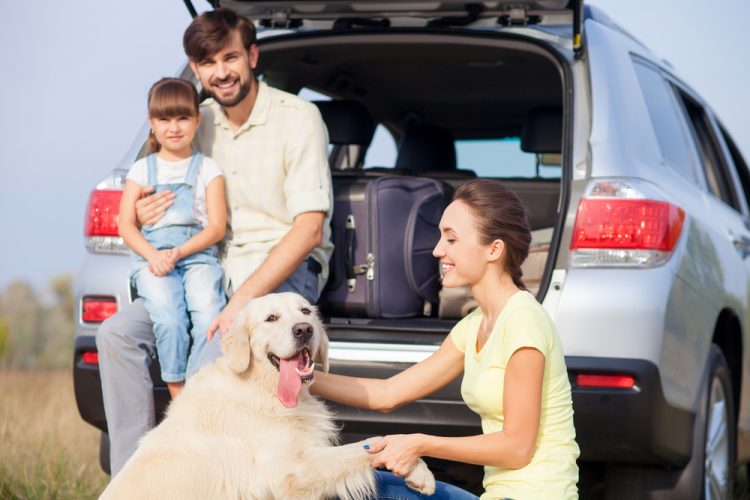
{"points": [[175, 266], [509, 352]]}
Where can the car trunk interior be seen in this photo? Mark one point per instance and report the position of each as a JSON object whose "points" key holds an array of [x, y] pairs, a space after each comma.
{"points": [[487, 88]]}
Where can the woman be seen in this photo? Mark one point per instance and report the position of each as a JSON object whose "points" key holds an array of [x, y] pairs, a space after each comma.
{"points": [[509, 353]]}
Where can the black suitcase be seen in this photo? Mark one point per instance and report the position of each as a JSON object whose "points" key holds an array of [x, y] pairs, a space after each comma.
{"points": [[384, 230]]}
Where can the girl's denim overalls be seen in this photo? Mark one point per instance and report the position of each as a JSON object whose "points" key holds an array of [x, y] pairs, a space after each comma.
{"points": [[192, 292]]}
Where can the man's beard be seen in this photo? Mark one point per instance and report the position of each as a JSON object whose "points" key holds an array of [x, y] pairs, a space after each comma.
{"points": [[243, 91]]}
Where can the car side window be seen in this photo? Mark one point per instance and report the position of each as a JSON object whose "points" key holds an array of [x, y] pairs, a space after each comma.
{"points": [[740, 165], [718, 177], [665, 118]]}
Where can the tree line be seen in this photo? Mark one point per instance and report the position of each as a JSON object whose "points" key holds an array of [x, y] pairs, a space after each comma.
{"points": [[36, 329]]}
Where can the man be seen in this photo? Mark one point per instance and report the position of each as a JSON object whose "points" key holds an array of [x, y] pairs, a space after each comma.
{"points": [[272, 147]]}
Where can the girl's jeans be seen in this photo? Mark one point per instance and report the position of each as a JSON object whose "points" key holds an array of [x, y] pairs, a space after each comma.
{"points": [[192, 294], [392, 487]]}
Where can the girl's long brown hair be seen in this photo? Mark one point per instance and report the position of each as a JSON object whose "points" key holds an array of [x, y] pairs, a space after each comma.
{"points": [[168, 98]]}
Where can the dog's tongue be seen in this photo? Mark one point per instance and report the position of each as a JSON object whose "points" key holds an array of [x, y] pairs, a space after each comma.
{"points": [[290, 382]]}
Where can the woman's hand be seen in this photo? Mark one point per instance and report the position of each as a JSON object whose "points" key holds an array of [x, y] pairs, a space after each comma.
{"points": [[398, 452]]}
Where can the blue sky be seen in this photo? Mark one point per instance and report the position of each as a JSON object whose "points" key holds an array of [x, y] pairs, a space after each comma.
{"points": [[75, 76]]}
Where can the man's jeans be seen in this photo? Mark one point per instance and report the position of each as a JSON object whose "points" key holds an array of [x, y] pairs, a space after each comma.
{"points": [[126, 346]]}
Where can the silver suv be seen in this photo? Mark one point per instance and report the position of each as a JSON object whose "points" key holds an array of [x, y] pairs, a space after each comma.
{"points": [[638, 199]]}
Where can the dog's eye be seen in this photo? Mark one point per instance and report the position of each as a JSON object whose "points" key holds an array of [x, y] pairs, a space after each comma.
{"points": [[305, 310], [271, 318]]}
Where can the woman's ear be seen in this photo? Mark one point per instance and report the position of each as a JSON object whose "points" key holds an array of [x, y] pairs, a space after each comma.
{"points": [[496, 250]]}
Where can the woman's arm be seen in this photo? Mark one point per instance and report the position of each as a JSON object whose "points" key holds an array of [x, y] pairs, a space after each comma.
{"points": [[415, 382], [216, 209], [511, 448]]}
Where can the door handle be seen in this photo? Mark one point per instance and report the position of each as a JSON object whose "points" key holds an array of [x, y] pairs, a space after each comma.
{"points": [[741, 243]]}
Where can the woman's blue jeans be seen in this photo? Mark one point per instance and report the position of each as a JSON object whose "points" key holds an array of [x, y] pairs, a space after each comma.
{"points": [[392, 487]]}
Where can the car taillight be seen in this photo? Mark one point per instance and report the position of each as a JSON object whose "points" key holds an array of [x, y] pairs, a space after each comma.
{"points": [[101, 229], [97, 309], [610, 381], [90, 358], [624, 231], [102, 212]]}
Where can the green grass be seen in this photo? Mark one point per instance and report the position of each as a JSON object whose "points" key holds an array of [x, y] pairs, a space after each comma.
{"points": [[48, 479]]}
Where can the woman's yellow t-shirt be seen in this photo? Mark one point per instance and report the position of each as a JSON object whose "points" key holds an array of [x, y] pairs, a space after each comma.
{"points": [[523, 322]]}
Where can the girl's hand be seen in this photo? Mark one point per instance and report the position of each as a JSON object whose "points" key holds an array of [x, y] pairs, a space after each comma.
{"points": [[175, 254], [161, 263], [398, 452]]}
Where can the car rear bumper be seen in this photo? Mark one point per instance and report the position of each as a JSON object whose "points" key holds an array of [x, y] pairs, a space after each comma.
{"points": [[87, 385], [613, 425], [628, 425]]}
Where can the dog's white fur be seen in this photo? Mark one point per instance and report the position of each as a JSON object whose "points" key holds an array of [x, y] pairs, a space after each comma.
{"points": [[228, 436]]}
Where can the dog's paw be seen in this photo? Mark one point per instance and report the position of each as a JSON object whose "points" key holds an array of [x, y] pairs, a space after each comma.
{"points": [[421, 479]]}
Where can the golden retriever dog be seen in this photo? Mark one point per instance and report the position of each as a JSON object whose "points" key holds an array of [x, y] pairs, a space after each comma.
{"points": [[246, 426]]}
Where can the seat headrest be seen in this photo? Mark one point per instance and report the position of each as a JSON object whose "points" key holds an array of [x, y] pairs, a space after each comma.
{"points": [[542, 131], [427, 147], [348, 122]]}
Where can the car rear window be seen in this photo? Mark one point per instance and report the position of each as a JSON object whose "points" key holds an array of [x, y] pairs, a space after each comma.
{"points": [[504, 158]]}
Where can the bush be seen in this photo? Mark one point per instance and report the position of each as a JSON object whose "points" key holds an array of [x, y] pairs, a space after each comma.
{"points": [[36, 331]]}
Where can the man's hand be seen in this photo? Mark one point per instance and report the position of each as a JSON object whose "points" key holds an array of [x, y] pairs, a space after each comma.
{"points": [[162, 262], [224, 320], [398, 453], [149, 209]]}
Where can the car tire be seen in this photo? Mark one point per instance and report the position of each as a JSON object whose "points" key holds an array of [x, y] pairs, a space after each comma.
{"points": [[720, 431], [713, 455]]}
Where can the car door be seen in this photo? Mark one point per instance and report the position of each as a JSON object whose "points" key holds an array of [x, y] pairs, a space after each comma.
{"points": [[728, 184]]}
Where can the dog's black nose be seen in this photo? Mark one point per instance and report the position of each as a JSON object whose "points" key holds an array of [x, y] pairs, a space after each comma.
{"points": [[302, 331]]}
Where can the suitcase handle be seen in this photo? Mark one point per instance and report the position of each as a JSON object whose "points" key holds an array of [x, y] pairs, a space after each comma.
{"points": [[349, 247], [352, 269], [351, 273], [428, 289]]}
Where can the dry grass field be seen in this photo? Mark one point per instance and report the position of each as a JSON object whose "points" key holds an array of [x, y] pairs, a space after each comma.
{"points": [[46, 450]]}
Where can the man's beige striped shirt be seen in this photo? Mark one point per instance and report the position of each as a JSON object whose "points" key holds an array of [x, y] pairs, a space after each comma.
{"points": [[276, 167]]}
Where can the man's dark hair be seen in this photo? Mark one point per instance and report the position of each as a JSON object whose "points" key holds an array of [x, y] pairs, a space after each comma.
{"points": [[212, 31]]}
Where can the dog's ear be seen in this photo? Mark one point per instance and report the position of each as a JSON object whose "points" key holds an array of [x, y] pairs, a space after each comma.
{"points": [[236, 345], [321, 356]]}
